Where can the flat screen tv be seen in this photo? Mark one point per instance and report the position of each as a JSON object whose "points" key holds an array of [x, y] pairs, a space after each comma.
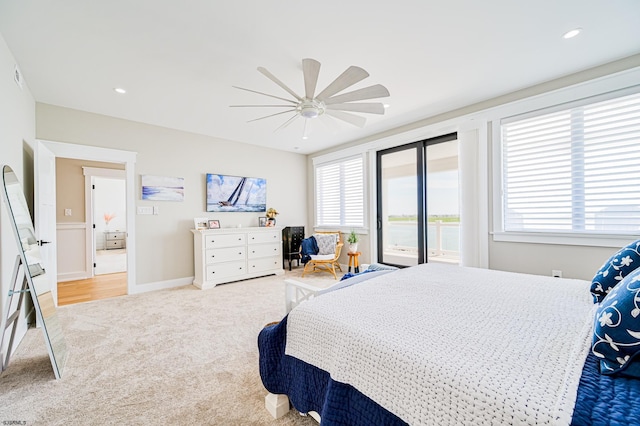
{"points": [[236, 193]]}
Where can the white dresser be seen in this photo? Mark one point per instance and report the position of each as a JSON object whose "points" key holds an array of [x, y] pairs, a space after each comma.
{"points": [[232, 254]]}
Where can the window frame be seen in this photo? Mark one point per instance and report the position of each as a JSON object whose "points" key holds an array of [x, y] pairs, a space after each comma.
{"points": [[319, 162], [541, 237]]}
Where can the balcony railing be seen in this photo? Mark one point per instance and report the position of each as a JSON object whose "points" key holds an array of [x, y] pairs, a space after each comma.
{"points": [[443, 240]]}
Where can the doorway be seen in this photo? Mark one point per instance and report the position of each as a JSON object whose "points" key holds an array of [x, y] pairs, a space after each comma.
{"points": [[45, 156], [418, 210], [108, 211]]}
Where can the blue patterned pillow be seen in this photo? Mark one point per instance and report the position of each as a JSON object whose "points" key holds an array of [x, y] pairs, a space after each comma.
{"points": [[326, 243], [625, 261], [616, 338], [380, 267]]}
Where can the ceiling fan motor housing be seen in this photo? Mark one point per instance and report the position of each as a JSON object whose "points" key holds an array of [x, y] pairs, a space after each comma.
{"points": [[311, 108]]}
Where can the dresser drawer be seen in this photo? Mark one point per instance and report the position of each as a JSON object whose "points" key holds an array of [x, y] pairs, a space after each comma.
{"points": [[225, 270], [109, 236], [264, 264], [224, 240], [114, 244], [264, 250], [264, 237], [225, 254]]}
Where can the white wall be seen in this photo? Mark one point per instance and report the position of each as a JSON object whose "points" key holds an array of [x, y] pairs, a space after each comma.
{"points": [[17, 132], [164, 243]]}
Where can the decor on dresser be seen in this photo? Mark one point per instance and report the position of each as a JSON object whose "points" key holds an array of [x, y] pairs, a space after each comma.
{"points": [[236, 193], [162, 188], [214, 224], [107, 218], [262, 221], [352, 239], [201, 222], [271, 216]]}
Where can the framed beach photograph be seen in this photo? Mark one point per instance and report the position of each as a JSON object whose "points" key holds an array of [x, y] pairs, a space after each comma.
{"points": [[200, 223], [262, 221], [214, 224], [162, 188]]}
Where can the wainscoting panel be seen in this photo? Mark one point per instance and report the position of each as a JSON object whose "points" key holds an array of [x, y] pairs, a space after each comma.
{"points": [[72, 251]]}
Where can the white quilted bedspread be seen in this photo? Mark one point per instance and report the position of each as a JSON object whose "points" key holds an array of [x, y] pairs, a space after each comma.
{"points": [[443, 345]]}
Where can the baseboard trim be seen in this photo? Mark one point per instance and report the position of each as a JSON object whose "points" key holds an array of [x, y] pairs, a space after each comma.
{"points": [[72, 276], [161, 285]]}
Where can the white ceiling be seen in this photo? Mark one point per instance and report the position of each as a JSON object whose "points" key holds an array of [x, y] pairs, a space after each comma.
{"points": [[178, 60]]}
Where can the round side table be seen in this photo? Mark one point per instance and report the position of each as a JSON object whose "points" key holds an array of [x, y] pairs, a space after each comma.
{"points": [[353, 261]]}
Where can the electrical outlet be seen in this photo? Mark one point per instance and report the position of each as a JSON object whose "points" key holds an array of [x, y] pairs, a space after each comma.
{"points": [[67, 212], [556, 273], [156, 210]]}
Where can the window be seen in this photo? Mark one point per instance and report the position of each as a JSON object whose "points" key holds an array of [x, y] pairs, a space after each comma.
{"points": [[573, 171], [340, 193]]}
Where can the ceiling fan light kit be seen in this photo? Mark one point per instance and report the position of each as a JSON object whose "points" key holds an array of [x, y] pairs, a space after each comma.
{"points": [[327, 102]]}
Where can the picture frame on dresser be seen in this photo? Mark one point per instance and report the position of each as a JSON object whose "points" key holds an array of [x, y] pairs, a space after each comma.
{"points": [[214, 224], [201, 223], [262, 221]]}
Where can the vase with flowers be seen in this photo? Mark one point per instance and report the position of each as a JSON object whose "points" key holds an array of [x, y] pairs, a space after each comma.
{"points": [[108, 217], [271, 216]]}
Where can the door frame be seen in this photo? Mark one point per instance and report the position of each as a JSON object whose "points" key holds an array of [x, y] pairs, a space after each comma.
{"points": [[421, 171], [89, 174], [108, 155]]}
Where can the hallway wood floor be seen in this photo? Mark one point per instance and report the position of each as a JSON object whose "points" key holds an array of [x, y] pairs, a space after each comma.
{"points": [[98, 287]]}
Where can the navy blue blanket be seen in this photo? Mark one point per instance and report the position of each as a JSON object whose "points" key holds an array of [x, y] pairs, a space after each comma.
{"points": [[601, 400], [308, 246]]}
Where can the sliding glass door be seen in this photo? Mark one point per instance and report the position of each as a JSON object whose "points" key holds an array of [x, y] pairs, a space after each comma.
{"points": [[418, 211]]}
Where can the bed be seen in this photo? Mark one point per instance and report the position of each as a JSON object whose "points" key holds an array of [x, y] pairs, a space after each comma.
{"points": [[439, 344]]}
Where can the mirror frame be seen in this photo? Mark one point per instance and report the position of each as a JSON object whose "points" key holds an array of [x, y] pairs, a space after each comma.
{"points": [[51, 328]]}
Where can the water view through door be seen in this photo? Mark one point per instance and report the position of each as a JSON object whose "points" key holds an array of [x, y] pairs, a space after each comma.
{"points": [[418, 207]]}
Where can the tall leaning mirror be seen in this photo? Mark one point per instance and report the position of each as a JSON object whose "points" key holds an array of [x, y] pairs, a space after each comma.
{"points": [[38, 283]]}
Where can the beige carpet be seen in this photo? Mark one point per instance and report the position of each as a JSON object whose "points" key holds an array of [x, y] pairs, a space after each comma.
{"points": [[181, 356]]}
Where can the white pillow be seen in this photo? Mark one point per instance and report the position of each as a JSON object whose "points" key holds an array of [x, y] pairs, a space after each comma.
{"points": [[326, 243]]}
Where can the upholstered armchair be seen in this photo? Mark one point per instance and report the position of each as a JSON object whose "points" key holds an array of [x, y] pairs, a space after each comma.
{"points": [[329, 244]]}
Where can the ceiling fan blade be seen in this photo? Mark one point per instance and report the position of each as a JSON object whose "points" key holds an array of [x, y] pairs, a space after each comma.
{"points": [[261, 106], [356, 120], [286, 123], [310, 70], [267, 116], [266, 94], [273, 78], [368, 107], [330, 123], [351, 76], [371, 92]]}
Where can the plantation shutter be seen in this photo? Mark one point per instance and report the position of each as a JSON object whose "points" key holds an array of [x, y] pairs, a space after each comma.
{"points": [[340, 193], [575, 170]]}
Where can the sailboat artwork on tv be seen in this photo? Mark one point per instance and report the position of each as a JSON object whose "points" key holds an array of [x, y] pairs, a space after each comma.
{"points": [[236, 193]]}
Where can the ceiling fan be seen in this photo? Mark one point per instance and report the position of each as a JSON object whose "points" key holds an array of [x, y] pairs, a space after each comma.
{"points": [[328, 101]]}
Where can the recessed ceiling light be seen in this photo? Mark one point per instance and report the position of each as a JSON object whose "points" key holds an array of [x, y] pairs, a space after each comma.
{"points": [[305, 137], [386, 106], [574, 32], [119, 90]]}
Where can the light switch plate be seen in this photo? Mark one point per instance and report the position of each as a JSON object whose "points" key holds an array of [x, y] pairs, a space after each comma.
{"points": [[145, 210]]}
